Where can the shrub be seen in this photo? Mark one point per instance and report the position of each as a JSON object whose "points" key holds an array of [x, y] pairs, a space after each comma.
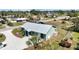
{"points": [[2, 37], [10, 24], [65, 43], [28, 42]]}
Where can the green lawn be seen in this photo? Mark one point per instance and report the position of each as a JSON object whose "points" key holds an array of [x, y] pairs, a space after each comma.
{"points": [[76, 36], [15, 23], [18, 23]]}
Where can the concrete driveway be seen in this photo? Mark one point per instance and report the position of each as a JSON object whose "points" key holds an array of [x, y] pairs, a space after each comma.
{"points": [[13, 42]]}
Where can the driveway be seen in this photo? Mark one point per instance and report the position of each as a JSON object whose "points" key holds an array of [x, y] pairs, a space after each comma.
{"points": [[13, 42]]}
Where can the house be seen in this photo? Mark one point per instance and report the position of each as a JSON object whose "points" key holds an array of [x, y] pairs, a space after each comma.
{"points": [[17, 19], [62, 17], [44, 31], [20, 19], [9, 16], [2, 21]]}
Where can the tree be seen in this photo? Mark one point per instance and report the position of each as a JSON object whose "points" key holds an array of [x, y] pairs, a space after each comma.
{"points": [[76, 24], [77, 47], [33, 41], [72, 13], [34, 12]]}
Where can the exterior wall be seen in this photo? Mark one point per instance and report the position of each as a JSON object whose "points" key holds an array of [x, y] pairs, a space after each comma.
{"points": [[50, 33]]}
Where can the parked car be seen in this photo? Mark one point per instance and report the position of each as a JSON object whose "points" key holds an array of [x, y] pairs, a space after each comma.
{"points": [[2, 45]]}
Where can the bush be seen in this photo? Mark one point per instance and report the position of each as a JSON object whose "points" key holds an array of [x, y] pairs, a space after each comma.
{"points": [[10, 24], [65, 43], [77, 47], [28, 42], [2, 37]]}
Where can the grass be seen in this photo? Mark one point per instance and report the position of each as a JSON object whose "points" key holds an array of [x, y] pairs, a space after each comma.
{"points": [[53, 42], [75, 36], [15, 23], [18, 23], [18, 32]]}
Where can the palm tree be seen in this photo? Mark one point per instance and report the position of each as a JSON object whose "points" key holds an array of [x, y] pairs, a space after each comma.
{"points": [[33, 41]]}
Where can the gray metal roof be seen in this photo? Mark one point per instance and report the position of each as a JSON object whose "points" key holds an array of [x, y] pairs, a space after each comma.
{"points": [[40, 28]]}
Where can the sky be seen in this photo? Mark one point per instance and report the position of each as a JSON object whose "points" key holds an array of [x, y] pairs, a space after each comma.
{"points": [[39, 4]]}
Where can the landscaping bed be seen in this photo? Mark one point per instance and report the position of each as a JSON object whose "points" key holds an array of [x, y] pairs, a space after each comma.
{"points": [[18, 32], [2, 37]]}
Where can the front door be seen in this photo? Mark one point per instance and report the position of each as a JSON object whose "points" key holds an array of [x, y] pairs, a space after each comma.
{"points": [[27, 33]]}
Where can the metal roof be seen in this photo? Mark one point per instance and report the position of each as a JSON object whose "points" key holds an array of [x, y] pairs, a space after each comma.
{"points": [[40, 28], [20, 18]]}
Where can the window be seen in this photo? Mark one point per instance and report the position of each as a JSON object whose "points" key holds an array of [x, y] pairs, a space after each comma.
{"points": [[27, 33], [43, 36], [33, 33]]}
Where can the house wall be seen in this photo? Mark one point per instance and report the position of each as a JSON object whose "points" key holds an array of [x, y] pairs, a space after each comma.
{"points": [[50, 33]]}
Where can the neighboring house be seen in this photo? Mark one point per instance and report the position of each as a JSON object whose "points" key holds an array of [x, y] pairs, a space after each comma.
{"points": [[17, 19], [9, 16], [62, 17], [42, 30], [2, 21], [20, 19]]}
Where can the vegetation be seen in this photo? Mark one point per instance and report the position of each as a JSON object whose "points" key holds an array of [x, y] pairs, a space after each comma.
{"points": [[65, 43], [18, 23], [2, 37], [75, 36], [10, 24], [33, 41], [2, 26], [18, 32], [61, 25], [15, 23]]}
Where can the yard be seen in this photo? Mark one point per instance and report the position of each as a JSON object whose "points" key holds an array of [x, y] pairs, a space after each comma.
{"points": [[76, 36], [53, 42]]}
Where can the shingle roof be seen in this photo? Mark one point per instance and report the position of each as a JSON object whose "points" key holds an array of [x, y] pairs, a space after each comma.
{"points": [[41, 28]]}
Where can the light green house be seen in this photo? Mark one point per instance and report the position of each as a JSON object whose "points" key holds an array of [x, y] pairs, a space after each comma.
{"points": [[43, 30]]}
